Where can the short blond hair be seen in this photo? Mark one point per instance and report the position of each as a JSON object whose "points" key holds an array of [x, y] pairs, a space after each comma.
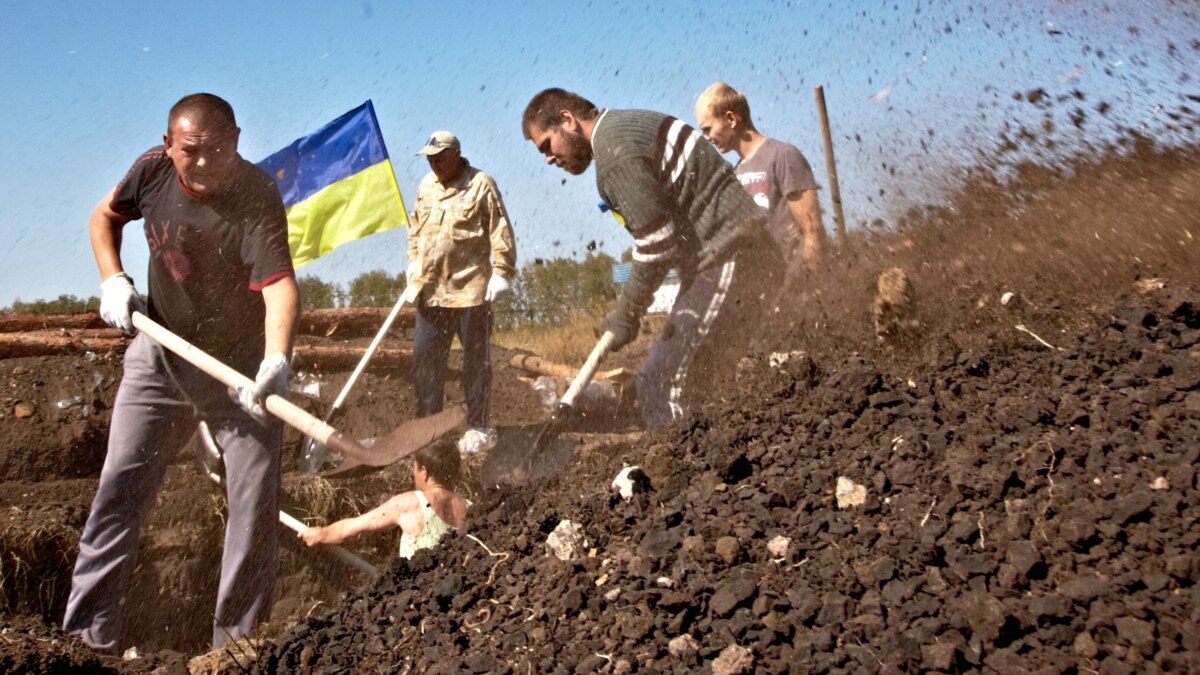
{"points": [[721, 98]]}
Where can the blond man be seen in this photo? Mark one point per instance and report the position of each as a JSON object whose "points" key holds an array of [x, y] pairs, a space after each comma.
{"points": [[775, 174]]}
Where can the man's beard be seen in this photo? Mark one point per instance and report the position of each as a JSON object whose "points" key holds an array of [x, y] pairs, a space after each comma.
{"points": [[579, 155]]}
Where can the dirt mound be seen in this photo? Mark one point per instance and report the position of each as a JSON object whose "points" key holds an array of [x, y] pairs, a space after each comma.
{"points": [[1030, 509]]}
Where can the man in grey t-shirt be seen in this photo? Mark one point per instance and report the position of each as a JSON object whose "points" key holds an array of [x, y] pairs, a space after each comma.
{"points": [[775, 173]]}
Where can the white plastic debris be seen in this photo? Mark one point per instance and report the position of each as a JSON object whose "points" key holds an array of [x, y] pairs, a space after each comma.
{"points": [[778, 547], [546, 388], [630, 481], [306, 384], [849, 493], [1160, 483], [778, 359], [475, 441], [664, 582], [1145, 286], [1006, 298], [566, 541], [598, 397], [68, 403], [1071, 75]]}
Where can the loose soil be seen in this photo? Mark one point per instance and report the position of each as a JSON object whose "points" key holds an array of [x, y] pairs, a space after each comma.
{"points": [[1024, 457]]}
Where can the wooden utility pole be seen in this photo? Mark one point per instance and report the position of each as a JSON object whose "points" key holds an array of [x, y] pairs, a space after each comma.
{"points": [[835, 192]]}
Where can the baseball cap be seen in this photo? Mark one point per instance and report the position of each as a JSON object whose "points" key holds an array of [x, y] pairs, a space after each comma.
{"points": [[439, 141]]}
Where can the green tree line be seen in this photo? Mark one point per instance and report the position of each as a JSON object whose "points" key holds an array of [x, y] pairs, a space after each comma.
{"points": [[545, 292]]}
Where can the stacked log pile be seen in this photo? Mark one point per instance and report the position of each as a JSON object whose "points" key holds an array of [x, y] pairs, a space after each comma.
{"points": [[23, 335]]}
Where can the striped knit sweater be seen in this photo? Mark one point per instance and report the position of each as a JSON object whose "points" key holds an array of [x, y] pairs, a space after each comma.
{"points": [[674, 193]]}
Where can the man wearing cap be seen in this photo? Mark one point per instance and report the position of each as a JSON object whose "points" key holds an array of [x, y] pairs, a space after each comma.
{"points": [[462, 253]]}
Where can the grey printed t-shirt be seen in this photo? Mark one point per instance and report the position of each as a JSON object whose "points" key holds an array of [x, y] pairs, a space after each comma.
{"points": [[773, 172]]}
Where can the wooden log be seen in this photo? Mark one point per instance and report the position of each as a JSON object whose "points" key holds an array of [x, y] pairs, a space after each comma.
{"points": [[16, 323], [342, 323], [16, 345], [103, 341], [346, 358], [535, 364], [352, 322], [539, 366]]}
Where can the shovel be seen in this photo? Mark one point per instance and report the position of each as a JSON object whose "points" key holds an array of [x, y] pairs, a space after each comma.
{"points": [[400, 443], [518, 457]]}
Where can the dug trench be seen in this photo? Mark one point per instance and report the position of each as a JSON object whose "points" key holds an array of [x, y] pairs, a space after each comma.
{"points": [[1008, 485]]}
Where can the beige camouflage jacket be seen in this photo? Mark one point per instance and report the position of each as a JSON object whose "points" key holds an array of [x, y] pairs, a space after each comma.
{"points": [[459, 237]]}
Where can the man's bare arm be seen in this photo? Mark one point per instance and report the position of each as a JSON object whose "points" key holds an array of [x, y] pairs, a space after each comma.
{"points": [[282, 300], [806, 212], [104, 229]]}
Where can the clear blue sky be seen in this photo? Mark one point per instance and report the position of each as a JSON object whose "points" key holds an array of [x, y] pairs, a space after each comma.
{"points": [[87, 87]]}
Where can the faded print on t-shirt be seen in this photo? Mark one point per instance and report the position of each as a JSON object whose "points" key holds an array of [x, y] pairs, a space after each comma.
{"points": [[773, 172]]}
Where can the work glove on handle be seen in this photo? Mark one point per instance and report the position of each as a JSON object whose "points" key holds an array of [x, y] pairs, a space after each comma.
{"points": [[272, 379], [497, 287], [622, 325], [118, 301]]}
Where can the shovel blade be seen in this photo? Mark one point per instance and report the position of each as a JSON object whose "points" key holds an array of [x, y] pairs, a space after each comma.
{"points": [[526, 454], [405, 439]]}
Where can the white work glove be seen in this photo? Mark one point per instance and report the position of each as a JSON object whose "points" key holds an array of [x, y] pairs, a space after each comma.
{"points": [[272, 379], [412, 283], [497, 287], [118, 300]]}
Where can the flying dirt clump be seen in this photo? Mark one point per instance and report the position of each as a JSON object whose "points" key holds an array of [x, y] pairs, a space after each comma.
{"points": [[893, 307]]}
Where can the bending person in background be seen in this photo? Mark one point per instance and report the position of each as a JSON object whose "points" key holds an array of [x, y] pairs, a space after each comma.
{"points": [[423, 515], [220, 277], [775, 173], [684, 208], [461, 249]]}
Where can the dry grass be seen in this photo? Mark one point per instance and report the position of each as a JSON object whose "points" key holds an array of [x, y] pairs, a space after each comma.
{"points": [[321, 501], [570, 342], [235, 656], [31, 566]]}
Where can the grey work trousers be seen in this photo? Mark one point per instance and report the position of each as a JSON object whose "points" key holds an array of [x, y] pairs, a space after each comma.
{"points": [[157, 407], [710, 326]]}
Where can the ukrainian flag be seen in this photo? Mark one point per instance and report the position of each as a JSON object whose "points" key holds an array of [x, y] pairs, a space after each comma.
{"points": [[337, 185]]}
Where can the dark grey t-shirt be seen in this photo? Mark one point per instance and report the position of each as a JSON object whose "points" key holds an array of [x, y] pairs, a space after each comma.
{"points": [[773, 172], [210, 257]]}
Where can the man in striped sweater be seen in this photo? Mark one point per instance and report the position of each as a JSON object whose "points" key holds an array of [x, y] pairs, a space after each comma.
{"points": [[685, 209]]}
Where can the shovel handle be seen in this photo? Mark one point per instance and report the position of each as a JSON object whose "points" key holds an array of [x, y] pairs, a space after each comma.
{"points": [[336, 551], [588, 370], [408, 297], [279, 406]]}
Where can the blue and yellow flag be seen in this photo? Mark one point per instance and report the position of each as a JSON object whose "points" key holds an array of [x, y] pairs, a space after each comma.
{"points": [[337, 185]]}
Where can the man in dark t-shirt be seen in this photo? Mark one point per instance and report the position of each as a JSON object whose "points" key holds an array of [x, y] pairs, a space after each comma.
{"points": [[685, 210], [221, 277]]}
